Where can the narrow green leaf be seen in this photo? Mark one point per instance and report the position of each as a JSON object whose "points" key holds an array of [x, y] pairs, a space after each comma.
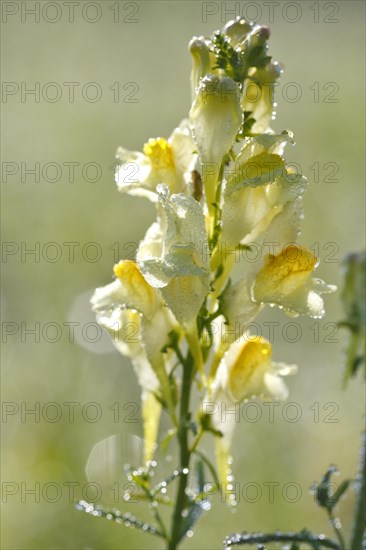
{"points": [[339, 492], [115, 515], [165, 441], [209, 466], [323, 492]]}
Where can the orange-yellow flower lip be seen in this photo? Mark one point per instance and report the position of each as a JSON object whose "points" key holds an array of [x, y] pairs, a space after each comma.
{"points": [[256, 352], [160, 153], [284, 273]]}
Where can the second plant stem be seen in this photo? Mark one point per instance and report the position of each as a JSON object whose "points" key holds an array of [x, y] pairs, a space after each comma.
{"points": [[359, 523]]}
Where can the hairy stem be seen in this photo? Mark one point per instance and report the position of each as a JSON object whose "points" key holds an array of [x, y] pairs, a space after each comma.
{"points": [[185, 454], [316, 541], [337, 529]]}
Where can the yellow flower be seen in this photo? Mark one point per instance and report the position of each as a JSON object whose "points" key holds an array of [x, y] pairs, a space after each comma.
{"points": [[129, 290], [245, 372], [285, 272], [124, 327], [262, 198], [162, 161], [285, 280], [134, 315], [143, 296], [174, 257]]}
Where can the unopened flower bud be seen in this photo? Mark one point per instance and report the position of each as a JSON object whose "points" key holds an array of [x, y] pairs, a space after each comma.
{"points": [[263, 33], [237, 30], [216, 117], [258, 97], [201, 61], [258, 37]]}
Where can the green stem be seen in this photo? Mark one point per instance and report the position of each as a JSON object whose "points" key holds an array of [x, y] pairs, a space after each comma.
{"points": [[217, 214], [210, 185], [336, 529], [223, 346], [228, 264], [197, 440], [160, 521], [196, 351], [359, 522], [185, 454]]}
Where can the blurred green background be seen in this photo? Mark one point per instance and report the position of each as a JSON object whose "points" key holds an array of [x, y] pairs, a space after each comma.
{"points": [[140, 49]]}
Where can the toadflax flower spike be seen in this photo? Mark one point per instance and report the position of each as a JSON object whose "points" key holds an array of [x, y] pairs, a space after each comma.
{"points": [[223, 192]]}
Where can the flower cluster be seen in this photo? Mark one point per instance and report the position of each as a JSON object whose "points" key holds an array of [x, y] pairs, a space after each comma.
{"points": [[221, 186]]}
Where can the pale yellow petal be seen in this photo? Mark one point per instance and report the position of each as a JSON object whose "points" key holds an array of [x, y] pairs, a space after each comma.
{"points": [[139, 294], [150, 410]]}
